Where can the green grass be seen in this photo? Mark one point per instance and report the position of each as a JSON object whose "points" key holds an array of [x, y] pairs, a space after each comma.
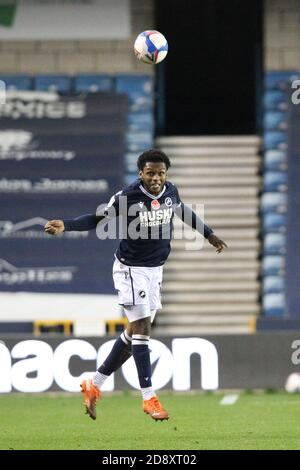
{"points": [[255, 421]]}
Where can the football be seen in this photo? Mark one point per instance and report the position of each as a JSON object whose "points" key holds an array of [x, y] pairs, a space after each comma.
{"points": [[292, 384], [151, 47]]}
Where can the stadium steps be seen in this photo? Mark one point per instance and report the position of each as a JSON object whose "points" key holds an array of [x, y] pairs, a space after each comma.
{"points": [[201, 330], [205, 292]]}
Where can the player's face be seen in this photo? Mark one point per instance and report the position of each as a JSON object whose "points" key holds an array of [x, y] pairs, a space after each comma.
{"points": [[154, 176]]}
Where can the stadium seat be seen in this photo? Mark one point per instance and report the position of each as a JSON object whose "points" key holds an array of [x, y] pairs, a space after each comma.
{"points": [[274, 304], [60, 83], [275, 140], [139, 141], [130, 161], [17, 82], [280, 80], [274, 244], [275, 160], [273, 284], [274, 222], [274, 202], [93, 83], [275, 120], [139, 89], [140, 122], [275, 100], [273, 265], [275, 181], [52, 326], [116, 325], [134, 84]]}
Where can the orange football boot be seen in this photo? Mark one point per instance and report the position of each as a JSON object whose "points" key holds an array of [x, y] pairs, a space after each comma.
{"points": [[90, 396], [154, 408]]}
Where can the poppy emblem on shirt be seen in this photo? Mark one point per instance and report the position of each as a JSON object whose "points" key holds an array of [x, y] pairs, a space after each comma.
{"points": [[155, 204], [168, 201]]}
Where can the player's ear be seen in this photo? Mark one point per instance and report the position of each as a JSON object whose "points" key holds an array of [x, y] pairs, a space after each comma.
{"points": [[140, 173]]}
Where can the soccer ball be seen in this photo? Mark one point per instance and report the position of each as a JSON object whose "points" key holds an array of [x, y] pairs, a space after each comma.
{"points": [[292, 384], [151, 47]]}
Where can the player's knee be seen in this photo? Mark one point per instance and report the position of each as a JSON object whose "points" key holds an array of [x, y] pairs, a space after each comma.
{"points": [[129, 330], [141, 326]]}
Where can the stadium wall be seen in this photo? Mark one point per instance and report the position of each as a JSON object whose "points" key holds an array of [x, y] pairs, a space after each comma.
{"points": [[261, 361], [80, 56], [282, 40], [282, 34]]}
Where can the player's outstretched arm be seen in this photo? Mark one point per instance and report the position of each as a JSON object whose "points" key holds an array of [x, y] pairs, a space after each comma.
{"points": [[54, 227], [217, 242], [80, 224], [187, 215]]}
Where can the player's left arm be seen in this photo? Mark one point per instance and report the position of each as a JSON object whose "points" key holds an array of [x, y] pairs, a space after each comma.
{"points": [[187, 215]]}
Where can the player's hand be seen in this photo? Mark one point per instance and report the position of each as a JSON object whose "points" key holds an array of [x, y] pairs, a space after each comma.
{"points": [[54, 227], [217, 242]]}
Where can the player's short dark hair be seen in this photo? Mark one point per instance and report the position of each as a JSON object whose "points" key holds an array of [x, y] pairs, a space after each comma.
{"points": [[153, 155]]}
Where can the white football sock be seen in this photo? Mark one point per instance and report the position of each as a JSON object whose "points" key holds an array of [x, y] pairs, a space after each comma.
{"points": [[99, 379], [147, 393]]}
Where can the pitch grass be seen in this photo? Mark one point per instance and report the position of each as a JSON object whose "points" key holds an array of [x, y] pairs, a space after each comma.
{"points": [[198, 421]]}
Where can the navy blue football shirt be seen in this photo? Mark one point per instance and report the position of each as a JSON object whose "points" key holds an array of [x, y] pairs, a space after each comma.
{"points": [[146, 223]]}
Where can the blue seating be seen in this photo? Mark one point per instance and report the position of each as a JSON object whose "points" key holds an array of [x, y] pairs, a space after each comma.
{"points": [[17, 82], [274, 222], [275, 160], [275, 100], [274, 304], [275, 120], [93, 83], [273, 265], [140, 122], [275, 140], [60, 83], [275, 181], [142, 84], [130, 161], [273, 284], [274, 202], [280, 80], [139, 141], [274, 244], [139, 89]]}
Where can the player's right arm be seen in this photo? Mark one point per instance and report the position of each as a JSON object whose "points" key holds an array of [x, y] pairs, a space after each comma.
{"points": [[84, 222], [79, 224]]}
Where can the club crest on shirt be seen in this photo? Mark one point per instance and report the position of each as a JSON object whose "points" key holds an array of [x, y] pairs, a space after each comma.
{"points": [[155, 204], [168, 201]]}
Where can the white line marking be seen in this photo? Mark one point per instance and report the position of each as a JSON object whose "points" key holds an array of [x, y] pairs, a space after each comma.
{"points": [[229, 400]]}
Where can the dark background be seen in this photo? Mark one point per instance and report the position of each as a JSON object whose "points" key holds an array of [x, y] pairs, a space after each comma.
{"points": [[211, 82]]}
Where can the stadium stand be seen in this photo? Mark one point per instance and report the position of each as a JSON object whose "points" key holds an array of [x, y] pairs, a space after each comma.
{"points": [[275, 187], [204, 293], [139, 136], [93, 83], [60, 83], [17, 82]]}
